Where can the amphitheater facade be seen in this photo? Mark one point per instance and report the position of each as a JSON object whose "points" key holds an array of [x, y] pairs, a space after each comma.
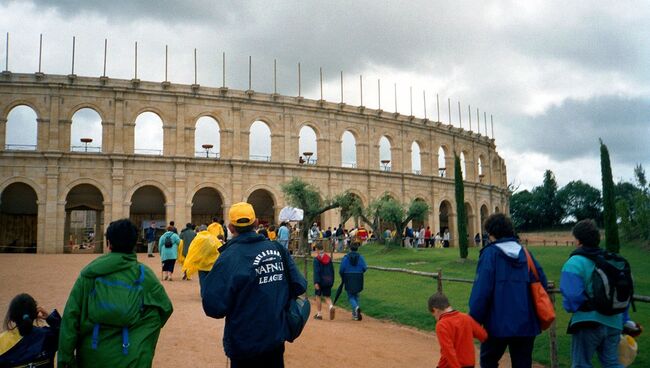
{"points": [[45, 185]]}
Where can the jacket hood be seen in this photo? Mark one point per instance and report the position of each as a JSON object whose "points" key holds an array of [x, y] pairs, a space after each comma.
{"points": [[354, 258], [109, 263], [510, 249], [324, 259]]}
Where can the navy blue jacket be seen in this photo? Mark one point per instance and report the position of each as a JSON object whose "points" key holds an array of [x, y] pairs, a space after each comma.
{"points": [[323, 271], [247, 286], [40, 345], [352, 268], [500, 298]]}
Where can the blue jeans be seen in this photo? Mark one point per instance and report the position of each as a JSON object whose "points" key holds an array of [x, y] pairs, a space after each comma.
{"points": [[599, 339], [354, 301]]}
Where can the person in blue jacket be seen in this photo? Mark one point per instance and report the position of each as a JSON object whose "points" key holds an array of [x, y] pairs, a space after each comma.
{"points": [[591, 330], [248, 286], [500, 298], [169, 255], [351, 270]]}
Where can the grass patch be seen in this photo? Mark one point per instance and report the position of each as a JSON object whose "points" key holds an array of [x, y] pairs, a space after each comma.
{"points": [[402, 298]]}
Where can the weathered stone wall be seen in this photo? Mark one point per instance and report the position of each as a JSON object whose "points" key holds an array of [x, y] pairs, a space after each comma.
{"points": [[52, 170]]}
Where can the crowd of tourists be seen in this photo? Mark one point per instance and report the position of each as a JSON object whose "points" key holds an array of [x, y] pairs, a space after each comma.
{"points": [[118, 306]]}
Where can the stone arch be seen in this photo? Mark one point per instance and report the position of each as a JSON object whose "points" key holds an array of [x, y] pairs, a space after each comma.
{"points": [[84, 217], [21, 102], [349, 156], [443, 152], [152, 109], [260, 132], [154, 183], [266, 119], [207, 202], [416, 158], [86, 105], [497, 209], [209, 129], [25, 180], [21, 128], [92, 130], [19, 211], [89, 181], [148, 203], [308, 142], [264, 204], [385, 153], [148, 135], [446, 218]]}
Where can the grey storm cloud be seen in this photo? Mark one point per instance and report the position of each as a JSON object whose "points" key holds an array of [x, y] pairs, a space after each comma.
{"points": [[571, 130]]}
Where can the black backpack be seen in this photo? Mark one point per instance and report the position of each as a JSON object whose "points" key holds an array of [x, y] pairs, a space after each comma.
{"points": [[168, 242], [612, 284]]}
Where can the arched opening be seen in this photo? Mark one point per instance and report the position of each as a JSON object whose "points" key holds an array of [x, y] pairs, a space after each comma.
{"points": [[479, 169], [471, 230], [207, 138], [147, 205], [259, 144], [385, 163], [148, 139], [445, 219], [463, 165], [86, 131], [442, 162], [264, 206], [307, 146], [496, 209], [18, 219], [416, 163], [348, 150], [484, 215], [21, 129], [84, 219], [206, 203]]}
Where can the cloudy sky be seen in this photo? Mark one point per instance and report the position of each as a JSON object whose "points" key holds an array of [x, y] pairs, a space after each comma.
{"points": [[555, 75]]}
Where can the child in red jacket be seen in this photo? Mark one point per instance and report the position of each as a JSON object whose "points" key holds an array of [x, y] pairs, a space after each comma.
{"points": [[456, 332]]}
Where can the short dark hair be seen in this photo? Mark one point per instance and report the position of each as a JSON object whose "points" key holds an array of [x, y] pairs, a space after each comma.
{"points": [[244, 229], [215, 219], [122, 234], [587, 233], [438, 301], [499, 226], [21, 313], [319, 246]]}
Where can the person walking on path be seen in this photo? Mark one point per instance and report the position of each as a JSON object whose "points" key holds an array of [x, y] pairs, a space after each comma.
{"points": [[352, 268], [126, 335], [284, 235], [187, 235], [456, 332], [215, 228], [446, 238], [591, 330], [150, 237], [323, 281], [168, 245], [248, 286], [500, 299], [203, 253]]}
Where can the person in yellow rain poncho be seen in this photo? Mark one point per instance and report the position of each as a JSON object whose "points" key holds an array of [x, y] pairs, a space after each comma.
{"points": [[203, 252], [215, 228]]}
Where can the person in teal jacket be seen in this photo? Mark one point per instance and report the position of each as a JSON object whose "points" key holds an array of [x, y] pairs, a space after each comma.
{"points": [[168, 255], [85, 339], [591, 330]]}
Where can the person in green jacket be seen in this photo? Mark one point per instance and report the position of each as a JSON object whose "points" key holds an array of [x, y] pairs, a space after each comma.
{"points": [[115, 310]]}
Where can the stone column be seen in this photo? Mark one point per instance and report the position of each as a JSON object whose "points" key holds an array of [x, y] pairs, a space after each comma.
{"points": [[180, 193], [54, 211], [324, 152], [108, 132], [123, 130], [169, 140], [64, 136], [239, 140], [189, 143], [396, 162], [107, 214], [121, 206], [277, 151], [41, 226], [3, 133], [50, 141], [178, 131]]}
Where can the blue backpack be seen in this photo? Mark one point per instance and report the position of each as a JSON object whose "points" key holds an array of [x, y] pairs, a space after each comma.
{"points": [[116, 304]]}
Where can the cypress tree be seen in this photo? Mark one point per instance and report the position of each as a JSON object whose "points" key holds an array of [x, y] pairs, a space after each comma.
{"points": [[609, 201], [461, 218]]}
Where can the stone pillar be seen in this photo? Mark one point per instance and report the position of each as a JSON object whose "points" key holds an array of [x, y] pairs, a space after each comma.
{"points": [[41, 226], [179, 143], [50, 141], [107, 214], [65, 127], [123, 130], [293, 148], [180, 193], [324, 152], [121, 206], [3, 133], [169, 140], [188, 146], [396, 162], [242, 150], [239, 140], [108, 132], [54, 211], [277, 151]]}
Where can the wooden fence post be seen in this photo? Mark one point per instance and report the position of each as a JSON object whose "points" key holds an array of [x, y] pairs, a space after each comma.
{"points": [[439, 280]]}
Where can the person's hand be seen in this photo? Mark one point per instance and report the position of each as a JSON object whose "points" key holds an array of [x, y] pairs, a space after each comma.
{"points": [[316, 286], [41, 313]]}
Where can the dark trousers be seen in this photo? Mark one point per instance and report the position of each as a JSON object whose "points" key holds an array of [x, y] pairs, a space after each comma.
{"points": [[270, 359], [520, 349]]}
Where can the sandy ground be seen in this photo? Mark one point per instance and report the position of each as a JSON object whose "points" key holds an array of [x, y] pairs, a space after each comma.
{"points": [[191, 339]]}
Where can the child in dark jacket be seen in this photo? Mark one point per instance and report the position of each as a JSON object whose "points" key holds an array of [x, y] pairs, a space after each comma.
{"points": [[352, 268], [22, 343], [456, 332], [323, 280]]}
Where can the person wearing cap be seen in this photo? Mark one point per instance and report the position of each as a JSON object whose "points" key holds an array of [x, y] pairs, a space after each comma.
{"points": [[248, 286]]}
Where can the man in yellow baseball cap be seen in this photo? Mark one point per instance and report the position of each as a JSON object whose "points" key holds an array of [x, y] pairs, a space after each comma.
{"points": [[248, 285]]}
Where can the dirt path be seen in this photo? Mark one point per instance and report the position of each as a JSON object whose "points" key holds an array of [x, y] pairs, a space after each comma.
{"points": [[191, 339]]}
